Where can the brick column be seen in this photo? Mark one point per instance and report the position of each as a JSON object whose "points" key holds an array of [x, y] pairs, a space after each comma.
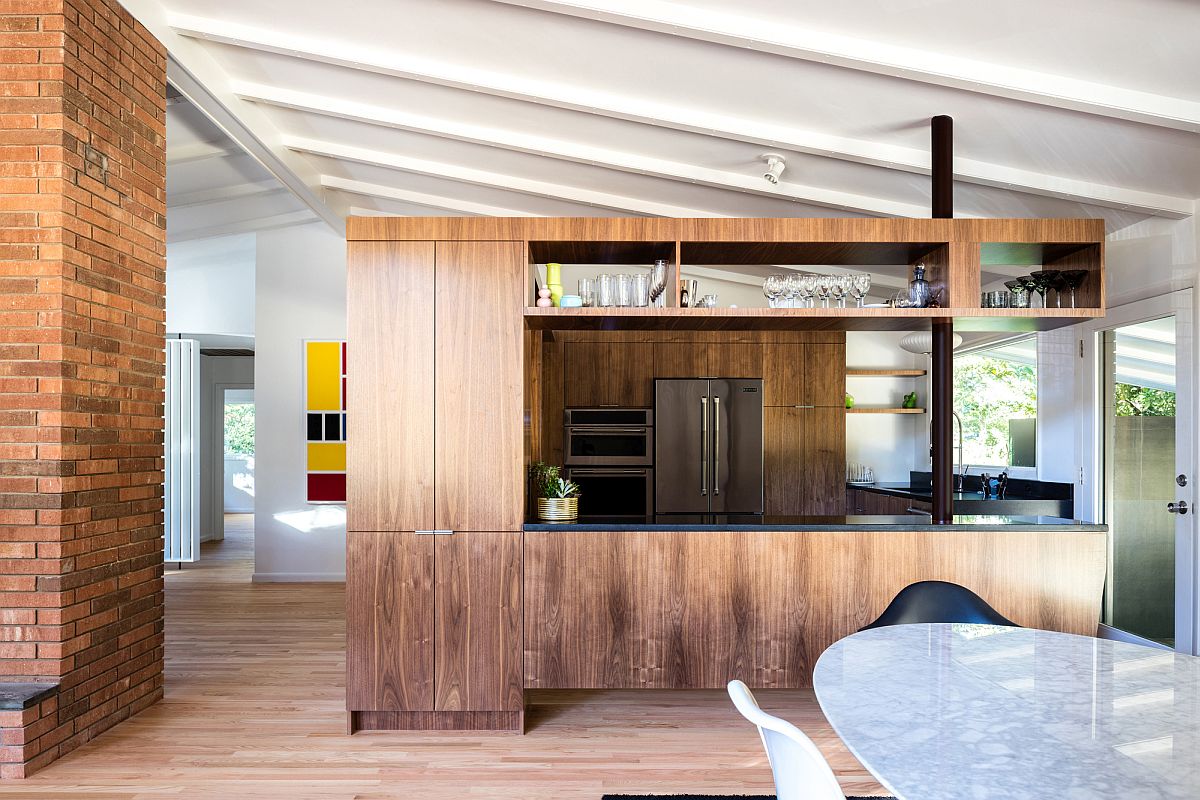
{"points": [[82, 260]]}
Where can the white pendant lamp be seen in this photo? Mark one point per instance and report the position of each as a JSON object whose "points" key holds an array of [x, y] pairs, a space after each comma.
{"points": [[921, 342]]}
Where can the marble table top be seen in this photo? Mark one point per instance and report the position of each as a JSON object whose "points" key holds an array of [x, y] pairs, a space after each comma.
{"points": [[947, 712]]}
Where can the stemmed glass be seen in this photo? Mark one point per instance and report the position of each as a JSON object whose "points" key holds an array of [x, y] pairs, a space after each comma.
{"points": [[861, 283], [1031, 285], [808, 287], [773, 287], [823, 289], [793, 289], [837, 289], [1046, 279], [658, 280], [1073, 279]]}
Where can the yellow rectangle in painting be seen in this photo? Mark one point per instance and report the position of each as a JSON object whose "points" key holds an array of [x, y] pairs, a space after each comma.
{"points": [[327, 456], [324, 364]]}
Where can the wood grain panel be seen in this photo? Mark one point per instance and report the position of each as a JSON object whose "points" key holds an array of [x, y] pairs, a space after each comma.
{"points": [[784, 375], [390, 334], [479, 483], [609, 374], [552, 401], [823, 460], [681, 359], [477, 628], [1091, 294], [389, 621], [824, 379], [512, 721], [742, 360], [782, 465], [658, 609]]}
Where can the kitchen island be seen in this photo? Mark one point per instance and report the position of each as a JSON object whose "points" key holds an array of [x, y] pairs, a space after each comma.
{"points": [[671, 603]]}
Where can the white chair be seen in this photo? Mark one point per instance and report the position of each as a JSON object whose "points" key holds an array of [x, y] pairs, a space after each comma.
{"points": [[801, 772]]}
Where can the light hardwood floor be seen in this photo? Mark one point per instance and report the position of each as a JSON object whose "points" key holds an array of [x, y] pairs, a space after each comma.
{"points": [[254, 709]]}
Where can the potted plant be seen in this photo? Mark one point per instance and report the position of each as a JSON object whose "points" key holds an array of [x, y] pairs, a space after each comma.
{"points": [[557, 497]]}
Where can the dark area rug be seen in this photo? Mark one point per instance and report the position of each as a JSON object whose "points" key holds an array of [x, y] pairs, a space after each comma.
{"points": [[715, 797]]}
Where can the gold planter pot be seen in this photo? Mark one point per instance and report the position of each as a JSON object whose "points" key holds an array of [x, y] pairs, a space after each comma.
{"points": [[558, 509]]}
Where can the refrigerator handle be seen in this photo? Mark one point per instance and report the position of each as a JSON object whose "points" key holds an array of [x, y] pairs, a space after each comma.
{"points": [[704, 445], [716, 445]]}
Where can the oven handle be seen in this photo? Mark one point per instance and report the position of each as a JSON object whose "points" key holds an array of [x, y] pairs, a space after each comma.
{"points": [[607, 471], [577, 429]]}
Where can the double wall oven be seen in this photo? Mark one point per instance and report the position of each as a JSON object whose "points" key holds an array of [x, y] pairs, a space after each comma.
{"points": [[609, 452]]}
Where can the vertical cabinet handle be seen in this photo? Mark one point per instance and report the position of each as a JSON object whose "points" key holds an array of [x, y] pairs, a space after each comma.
{"points": [[704, 445], [716, 446]]}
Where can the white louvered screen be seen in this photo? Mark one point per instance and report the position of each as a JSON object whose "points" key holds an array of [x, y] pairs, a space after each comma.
{"points": [[182, 534]]}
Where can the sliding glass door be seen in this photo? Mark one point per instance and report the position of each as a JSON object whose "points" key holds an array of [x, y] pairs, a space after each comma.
{"points": [[1146, 428]]}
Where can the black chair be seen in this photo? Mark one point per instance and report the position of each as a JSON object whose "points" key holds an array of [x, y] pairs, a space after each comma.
{"points": [[938, 601]]}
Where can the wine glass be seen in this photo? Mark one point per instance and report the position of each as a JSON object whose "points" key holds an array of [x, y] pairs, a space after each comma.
{"points": [[1046, 279], [824, 285], [773, 287], [808, 287], [837, 289], [658, 280], [793, 289], [1073, 279], [862, 285], [1031, 285]]}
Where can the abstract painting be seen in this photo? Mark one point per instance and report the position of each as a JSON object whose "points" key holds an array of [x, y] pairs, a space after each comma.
{"points": [[325, 420]]}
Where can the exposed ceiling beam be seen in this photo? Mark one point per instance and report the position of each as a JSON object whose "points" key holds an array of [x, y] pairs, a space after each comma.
{"points": [[419, 198], [651, 112], [456, 172], [285, 220], [200, 151], [572, 151], [197, 76], [221, 194], [881, 58]]}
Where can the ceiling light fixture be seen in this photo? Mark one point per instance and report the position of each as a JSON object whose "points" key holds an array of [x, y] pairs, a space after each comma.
{"points": [[775, 167]]}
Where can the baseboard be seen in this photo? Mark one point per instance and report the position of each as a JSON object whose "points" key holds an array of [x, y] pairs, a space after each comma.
{"points": [[299, 577], [440, 721]]}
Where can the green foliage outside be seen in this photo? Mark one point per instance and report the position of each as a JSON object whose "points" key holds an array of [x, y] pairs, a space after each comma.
{"points": [[1139, 401], [239, 429], [988, 392]]}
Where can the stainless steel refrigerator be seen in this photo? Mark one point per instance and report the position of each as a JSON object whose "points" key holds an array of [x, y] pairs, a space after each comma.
{"points": [[708, 446]]}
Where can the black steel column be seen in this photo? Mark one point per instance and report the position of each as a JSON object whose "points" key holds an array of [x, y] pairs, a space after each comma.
{"points": [[942, 164], [941, 396], [941, 412]]}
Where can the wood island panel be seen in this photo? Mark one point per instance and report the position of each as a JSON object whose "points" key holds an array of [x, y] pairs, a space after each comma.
{"points": [[389, 621], [479, 380], [390, 335], [657, 609]]}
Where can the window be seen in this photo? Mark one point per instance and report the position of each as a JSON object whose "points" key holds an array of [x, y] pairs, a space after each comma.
{"points": [[995, 395], [239, 425]]}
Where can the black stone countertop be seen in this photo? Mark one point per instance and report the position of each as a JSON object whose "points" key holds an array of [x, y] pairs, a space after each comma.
{"points": [[752, 522], [19, 696]]}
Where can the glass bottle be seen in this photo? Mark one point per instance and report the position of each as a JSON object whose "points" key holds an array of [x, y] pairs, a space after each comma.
{"points": [[918, 288]]}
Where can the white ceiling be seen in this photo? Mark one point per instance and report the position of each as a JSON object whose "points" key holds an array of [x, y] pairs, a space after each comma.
{"points": [[1077, 108]]}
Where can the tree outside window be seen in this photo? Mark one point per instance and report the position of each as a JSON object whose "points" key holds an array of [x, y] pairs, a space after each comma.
{"points": [[239, 429], [995, 395]]}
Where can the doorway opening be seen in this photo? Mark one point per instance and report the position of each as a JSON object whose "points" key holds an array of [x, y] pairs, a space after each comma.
{"points": [[237, 484]]}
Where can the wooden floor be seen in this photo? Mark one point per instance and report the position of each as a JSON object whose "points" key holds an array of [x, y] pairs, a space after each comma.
{"points": [[254, 709]]}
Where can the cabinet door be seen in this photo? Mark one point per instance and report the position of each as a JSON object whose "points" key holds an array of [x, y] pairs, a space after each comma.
{"points": [[824, 380], [609, 374], [479, 386], [782, 459], [823, 460], [741, 360], [390, 330], [478, 625], [784, 375], [681, 359], [389, 621]]}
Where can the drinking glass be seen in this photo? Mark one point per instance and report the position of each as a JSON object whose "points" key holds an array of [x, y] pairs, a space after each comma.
{"points": [[624, 284], [837, 289], [791, 290], [641, 290], [808, 287], [862, 285], [587, 291], [1073, 279], [606, 291], [658, 280], [773, 286], [824, 288], [1043, 280]]}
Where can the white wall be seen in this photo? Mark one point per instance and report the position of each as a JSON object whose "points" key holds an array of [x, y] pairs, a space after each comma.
{"points": [[301, 294], [210, 285], [888, 443]]}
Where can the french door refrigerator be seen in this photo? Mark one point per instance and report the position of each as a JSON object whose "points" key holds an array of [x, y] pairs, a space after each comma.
{"points": [[708, 446]]}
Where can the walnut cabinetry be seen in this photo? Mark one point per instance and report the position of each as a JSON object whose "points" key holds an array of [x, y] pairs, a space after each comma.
{"points": [[436, 348], [609, 374], [863, 501], [804, 458]]}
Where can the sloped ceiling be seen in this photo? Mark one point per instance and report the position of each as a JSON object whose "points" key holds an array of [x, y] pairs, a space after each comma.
{"points": [[1077, 108]]}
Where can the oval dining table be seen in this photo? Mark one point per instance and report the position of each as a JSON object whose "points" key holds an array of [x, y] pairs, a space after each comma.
{"points": [[971, 712]]}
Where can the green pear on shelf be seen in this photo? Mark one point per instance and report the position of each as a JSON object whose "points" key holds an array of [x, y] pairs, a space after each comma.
{"points": [[910, 400], [849, 400]]}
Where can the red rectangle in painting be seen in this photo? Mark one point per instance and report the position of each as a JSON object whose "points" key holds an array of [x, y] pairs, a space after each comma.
{"points": [[327, 487]]}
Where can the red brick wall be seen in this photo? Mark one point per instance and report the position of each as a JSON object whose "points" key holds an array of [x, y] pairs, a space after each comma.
{"points": [[82, 260]]}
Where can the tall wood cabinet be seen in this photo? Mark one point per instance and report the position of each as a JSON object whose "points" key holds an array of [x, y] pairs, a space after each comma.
{"points": [[434, 484]]}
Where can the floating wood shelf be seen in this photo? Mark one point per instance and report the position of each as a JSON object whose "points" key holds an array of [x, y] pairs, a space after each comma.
{"points": [[843, 319], [860, 410], [884, 373]]}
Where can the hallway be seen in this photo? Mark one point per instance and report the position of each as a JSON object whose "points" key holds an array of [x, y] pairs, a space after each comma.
{"points": [[254, 708]]}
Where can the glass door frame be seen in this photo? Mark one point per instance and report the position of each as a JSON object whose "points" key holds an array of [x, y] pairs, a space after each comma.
{"points": [[1096, 505]]}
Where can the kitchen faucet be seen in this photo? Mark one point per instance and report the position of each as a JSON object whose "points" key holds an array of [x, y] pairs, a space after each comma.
{"points": [[960, 471]]}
